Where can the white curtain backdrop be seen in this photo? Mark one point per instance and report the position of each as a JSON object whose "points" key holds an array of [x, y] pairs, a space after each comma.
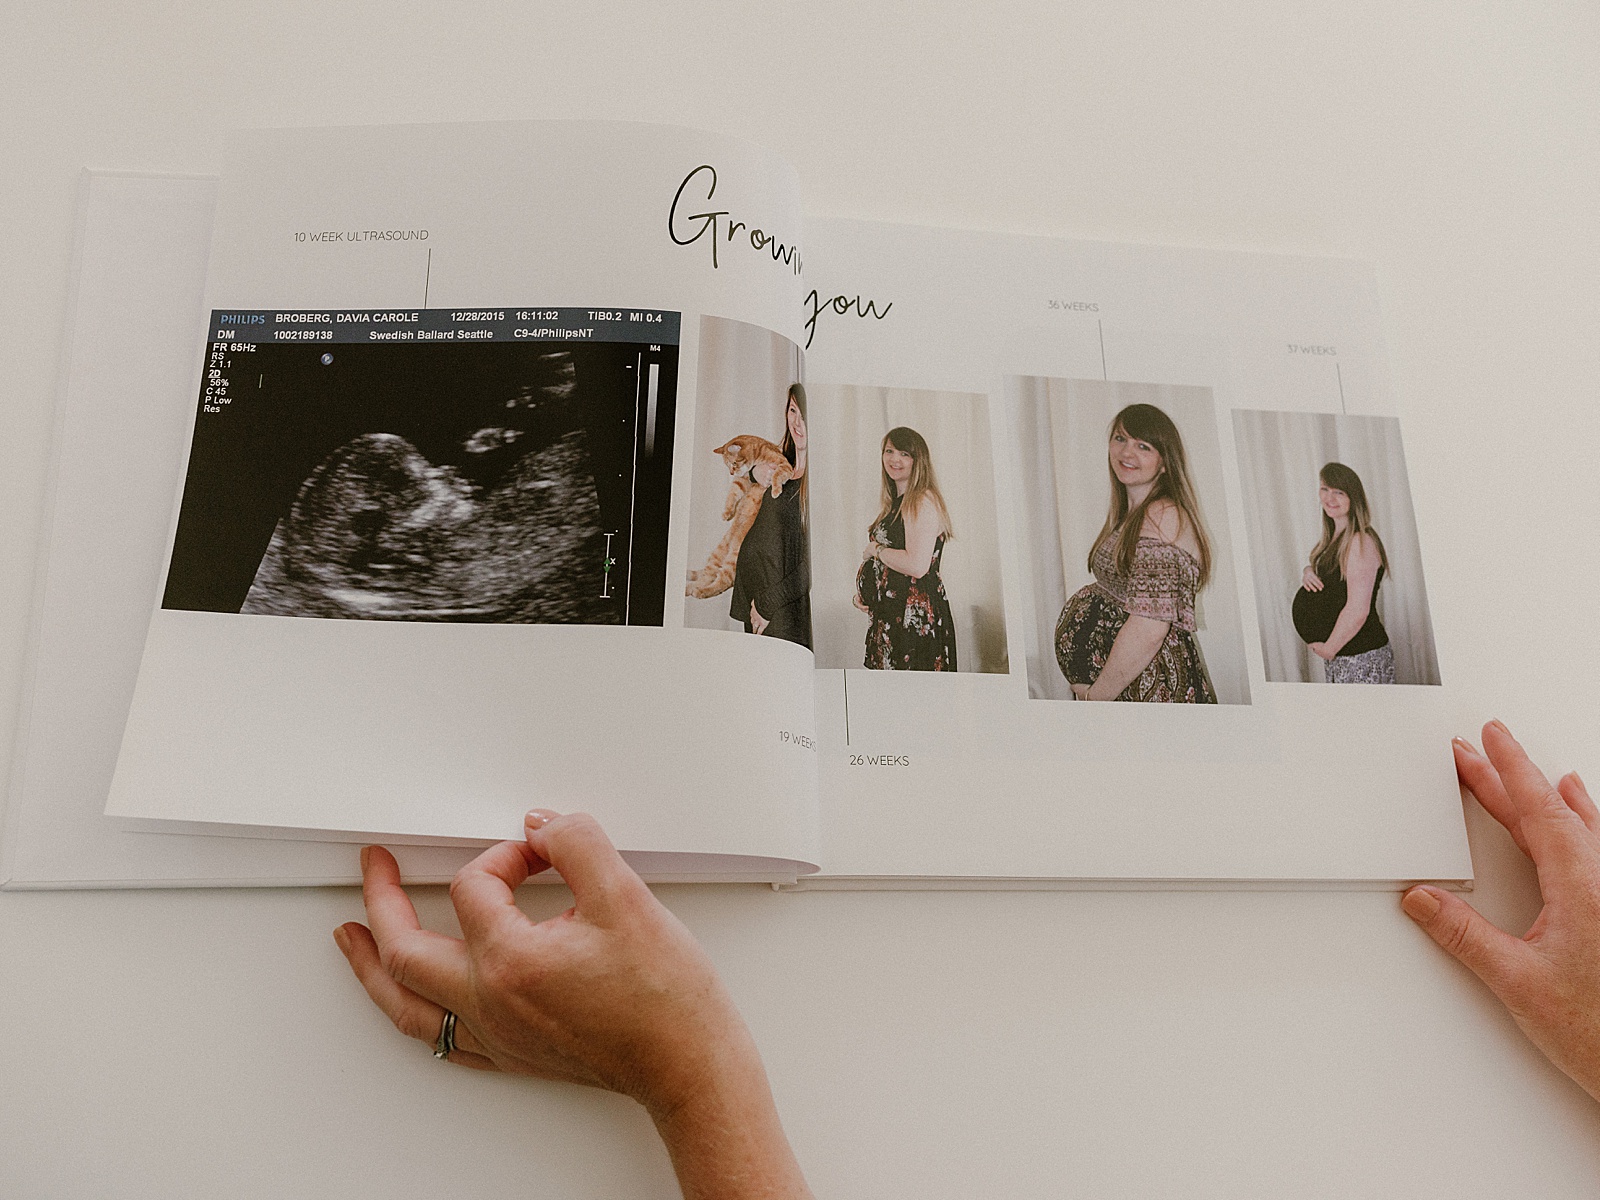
{"points": [[1280, 455], [1063, 426], [744, 377], [847, 435]]}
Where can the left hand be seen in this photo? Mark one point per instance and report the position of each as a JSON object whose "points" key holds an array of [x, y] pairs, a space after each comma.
{"points": [[870, 552], [613, 993], [1320, 649], [1080, 691], [758, 623]]}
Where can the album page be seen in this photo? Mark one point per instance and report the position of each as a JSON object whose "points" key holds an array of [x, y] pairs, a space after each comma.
{"points": [[427, 559], [1013, 684]]}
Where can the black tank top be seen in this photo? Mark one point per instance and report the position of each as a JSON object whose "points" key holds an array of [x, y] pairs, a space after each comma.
{"points": [[1316, 613]]}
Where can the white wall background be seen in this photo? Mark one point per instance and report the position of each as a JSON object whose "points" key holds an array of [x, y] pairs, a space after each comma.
{"points": [[1063, 426], [851, 425], [191, 1045], [1280, 457], [745, 373]]}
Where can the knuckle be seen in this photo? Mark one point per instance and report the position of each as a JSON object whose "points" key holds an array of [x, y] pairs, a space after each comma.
{"points": [[500, 969], [415, 1023], [580, 823], [400, 960], [1455, 936]]}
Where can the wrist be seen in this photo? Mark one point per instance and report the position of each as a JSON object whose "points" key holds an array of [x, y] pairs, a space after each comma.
{"points": [[724, 1136]]}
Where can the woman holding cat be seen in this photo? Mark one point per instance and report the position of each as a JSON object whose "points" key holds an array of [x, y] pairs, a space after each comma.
{"points": [[898, 583], [772, 579], [1130, 634]]}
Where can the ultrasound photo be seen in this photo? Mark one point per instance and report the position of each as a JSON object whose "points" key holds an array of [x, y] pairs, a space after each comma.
{"points": [[498, 482]]}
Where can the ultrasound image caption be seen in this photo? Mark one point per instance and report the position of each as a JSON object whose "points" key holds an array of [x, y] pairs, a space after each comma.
{"points": [[446, 325]]}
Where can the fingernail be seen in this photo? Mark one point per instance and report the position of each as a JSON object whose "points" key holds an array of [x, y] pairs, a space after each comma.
{"points": [[1578, 779], [342, 939], [1420, 904], [1501, 726], [538, 818], [1466, 747], [366, 853]]}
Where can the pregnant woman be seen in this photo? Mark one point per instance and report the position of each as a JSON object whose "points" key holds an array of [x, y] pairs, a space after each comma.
{"points": [[772, 581], [898, 583], [1336, 608], [1129, 635]]}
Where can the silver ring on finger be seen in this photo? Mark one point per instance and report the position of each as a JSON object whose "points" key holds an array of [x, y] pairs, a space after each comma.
{"points": [[447, 1036]]}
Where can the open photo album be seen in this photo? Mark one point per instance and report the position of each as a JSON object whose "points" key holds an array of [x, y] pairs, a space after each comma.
{"points": [[574, 464]]}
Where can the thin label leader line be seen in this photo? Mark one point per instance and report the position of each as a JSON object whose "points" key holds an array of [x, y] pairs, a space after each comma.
{"points": [[845, 675]]}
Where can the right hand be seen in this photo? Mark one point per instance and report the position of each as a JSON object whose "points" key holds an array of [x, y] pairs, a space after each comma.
{"points": [[1310, 580], [1550, 977]]}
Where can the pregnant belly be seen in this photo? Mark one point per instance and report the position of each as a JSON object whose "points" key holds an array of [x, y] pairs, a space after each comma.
{"points": [[1314, 615]]}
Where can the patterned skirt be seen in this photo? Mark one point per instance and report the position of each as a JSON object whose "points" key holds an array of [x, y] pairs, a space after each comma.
{"points": [[1089, 624], [914, 634], [1375, 666]]}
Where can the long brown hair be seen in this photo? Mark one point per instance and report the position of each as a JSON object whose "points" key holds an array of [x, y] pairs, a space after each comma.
{"points": [[1147, 423], [921, 484], [1335, 545], [797, 393]]}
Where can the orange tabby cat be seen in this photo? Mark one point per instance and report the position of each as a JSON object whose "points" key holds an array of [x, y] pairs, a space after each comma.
{"points": [[745, 455]]}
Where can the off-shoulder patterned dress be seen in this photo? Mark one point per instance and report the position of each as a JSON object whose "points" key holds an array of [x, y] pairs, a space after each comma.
{"points": [[1162, 587]]}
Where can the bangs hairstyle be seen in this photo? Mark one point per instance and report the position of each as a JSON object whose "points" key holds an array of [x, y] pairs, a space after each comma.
{"points": [[797, 393], [921, 485], [1147, 423], [1330, 553]]}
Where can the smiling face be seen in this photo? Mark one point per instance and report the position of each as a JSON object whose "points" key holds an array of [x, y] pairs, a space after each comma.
{"points": [[897, 465], [796, 421], [1135, 463], [1334, 502]]}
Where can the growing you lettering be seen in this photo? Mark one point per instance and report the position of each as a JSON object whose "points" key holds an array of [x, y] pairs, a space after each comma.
{"points": [[690, 227]]}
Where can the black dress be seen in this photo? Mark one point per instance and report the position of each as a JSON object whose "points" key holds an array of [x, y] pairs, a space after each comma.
{"points": [[1316, 613], [911, 627], [774, 569]]}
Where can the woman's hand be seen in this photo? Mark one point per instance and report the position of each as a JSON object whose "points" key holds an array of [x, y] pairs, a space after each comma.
{"points": [[758, 623], [1320, 649], [763, 472], [1310, 580], [614, 993], [1080, 691], [1550, 977], [871, 550], [859, 603]]}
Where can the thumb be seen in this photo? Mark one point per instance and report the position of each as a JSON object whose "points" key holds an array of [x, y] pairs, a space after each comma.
{"points": [[1493, 955], [584, 857]]}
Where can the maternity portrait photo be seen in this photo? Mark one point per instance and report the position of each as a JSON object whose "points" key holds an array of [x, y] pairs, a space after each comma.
{"points": [[906, 546], [1340, 596], [749, 529], [1127, 559]]}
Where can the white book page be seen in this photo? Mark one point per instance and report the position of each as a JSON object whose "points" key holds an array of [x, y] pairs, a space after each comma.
{"points": [[377, 664], [1012, 357]]}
